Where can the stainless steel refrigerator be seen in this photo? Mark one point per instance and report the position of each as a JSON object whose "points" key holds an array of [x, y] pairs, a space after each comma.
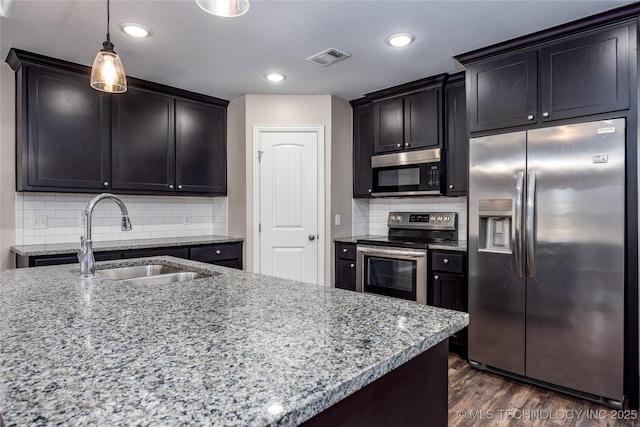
{"points": [[547, 256]]}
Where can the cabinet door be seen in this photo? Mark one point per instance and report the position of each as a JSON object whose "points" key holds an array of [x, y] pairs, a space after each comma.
{"points": [[362, 150], [201, 148], [422, 119], [585, 75], [502, 92], [449, 291], [68, 142], [143, 141], [388, 133], [346, 275], [457, 140]]}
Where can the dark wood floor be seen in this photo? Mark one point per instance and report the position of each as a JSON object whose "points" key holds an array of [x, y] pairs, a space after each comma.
{"points": [[478, 398]]}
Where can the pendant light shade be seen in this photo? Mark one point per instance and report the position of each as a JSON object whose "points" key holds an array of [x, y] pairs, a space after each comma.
{"points": [[107, 73], [226, 8]]}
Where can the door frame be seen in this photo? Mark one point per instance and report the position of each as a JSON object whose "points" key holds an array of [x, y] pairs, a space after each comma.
{"points": [[319, 131]]}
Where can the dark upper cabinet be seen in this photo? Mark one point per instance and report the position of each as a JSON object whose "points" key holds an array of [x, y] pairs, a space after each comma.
{"points": [[61, 121], [153, 139], [362, 149], [457, 139], [578, 75], [585, 75], [407, 122], [143, 141], [502, 92], [201, 147]]}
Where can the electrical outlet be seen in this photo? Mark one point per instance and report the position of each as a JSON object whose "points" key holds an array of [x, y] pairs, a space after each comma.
{"points": [[185, 219], [337, 219], [39, 221]]}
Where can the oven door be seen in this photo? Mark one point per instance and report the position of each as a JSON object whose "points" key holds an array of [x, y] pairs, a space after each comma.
{"points": [[394, 272]]}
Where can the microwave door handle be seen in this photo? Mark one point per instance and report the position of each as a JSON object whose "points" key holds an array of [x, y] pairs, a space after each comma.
{"points": [[518, 245]]}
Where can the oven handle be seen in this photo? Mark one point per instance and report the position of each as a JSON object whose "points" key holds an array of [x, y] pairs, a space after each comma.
{"points": [[396, 253]]}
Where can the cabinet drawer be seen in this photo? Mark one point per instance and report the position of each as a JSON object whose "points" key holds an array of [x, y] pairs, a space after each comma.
{"points": [[217, 252], [346, 251], [143, 253], [444, 261]]}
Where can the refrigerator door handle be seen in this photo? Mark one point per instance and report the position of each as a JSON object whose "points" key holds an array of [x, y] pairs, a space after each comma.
{"points": [[518, 246], [530, 224]]}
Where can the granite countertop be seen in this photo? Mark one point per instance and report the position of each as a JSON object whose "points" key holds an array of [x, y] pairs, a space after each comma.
{"points": [[233, 349], [460, 245], [121, 245]]}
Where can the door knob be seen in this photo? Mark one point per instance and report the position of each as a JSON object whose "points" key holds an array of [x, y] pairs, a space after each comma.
{"points": [[171, 186], [451, 186], [545, 114], [352, 265], [312, 237], [398, 145], [106, 183], [406, 144], [436, 277], [530, 117]]}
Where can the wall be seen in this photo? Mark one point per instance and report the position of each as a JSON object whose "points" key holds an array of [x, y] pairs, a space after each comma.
{"points": [[236, 170], [7, 164], [288, 110], [151, 217], [341, 176]]}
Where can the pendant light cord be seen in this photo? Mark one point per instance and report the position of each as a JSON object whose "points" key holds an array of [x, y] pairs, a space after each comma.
{"points": [[108, 36]]}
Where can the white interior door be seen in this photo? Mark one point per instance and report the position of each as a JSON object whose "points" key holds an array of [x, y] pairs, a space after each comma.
{"points": [[289, 204]]}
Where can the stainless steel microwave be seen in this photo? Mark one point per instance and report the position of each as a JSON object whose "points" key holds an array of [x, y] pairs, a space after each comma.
{"points": [[407, 173]]}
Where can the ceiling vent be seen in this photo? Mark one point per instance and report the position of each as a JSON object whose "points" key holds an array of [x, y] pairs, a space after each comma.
{"points": [[328, 57]]}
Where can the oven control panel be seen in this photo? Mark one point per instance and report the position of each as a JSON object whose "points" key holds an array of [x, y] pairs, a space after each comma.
{"points": [[424, 220]]}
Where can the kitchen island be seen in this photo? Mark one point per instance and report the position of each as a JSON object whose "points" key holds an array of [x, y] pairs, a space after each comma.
{"points": [[232, 349]]}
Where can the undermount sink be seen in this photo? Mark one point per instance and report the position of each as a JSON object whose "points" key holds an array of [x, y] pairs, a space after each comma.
{"points": [[152, 274]]}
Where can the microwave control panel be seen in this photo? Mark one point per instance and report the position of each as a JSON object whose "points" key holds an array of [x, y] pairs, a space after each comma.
{"points": [[433, 175]]}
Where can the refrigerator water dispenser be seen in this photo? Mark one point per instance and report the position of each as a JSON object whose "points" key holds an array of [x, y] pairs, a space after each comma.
{"points": [[495, 218]]}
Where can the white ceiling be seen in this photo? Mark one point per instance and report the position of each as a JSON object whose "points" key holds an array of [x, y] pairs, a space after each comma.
{"points": [[227, 57]]}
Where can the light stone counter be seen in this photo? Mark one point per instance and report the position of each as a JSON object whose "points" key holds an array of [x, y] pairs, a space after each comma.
{"points": [[234, 349]]}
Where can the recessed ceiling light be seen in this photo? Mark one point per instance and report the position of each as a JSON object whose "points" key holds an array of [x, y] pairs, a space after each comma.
{"points": [[275, 77], [400, 39], [135, 30]]}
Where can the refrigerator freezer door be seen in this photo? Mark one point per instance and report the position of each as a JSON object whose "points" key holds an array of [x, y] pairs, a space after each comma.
{"points": [[496, 292], [575, 299]]}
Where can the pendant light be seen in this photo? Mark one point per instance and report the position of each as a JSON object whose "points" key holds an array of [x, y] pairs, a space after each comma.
{"points": [[107, 73], [226, 8]]}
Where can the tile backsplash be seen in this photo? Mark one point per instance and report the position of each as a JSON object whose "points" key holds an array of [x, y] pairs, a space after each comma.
{"points": [[45, 218], [370, 216]]}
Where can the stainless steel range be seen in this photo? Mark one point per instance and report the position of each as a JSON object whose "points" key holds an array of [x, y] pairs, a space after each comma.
{"points": [[396, 265]]}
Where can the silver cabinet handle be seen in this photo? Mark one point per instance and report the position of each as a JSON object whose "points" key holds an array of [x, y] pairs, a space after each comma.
{"points": [[530, 117], [106, 183], [436, 277], [445, 261], [218, 251], [398, 145], [312, 237], [406, 144], [180, 187], [545, 114], [345, 250], [369, 190], [518, 224], [352, 265], [171, 186], [530, 223], [451, 186]]}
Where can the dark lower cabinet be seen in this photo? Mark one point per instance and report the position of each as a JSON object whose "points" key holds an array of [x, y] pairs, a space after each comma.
{"points": [[345, 266], [448, 289], [223, 254], [68, 124], [201, 147], [227, 254], [143, 141]]}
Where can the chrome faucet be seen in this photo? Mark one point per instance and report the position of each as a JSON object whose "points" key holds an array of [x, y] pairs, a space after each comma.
{"points": [[85, 255]]}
